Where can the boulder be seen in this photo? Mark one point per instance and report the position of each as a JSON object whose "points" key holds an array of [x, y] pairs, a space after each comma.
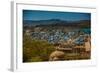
{"points": [[57, 55]]}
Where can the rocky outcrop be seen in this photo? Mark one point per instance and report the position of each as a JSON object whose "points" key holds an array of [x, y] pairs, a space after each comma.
{"points": [[56, 55]]}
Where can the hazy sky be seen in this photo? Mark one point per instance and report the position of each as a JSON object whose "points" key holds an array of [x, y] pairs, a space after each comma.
{"points": [[45, 15]]}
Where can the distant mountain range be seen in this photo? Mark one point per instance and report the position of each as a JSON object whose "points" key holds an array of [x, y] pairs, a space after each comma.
{"points": [[56, 22], [43, 22]]}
